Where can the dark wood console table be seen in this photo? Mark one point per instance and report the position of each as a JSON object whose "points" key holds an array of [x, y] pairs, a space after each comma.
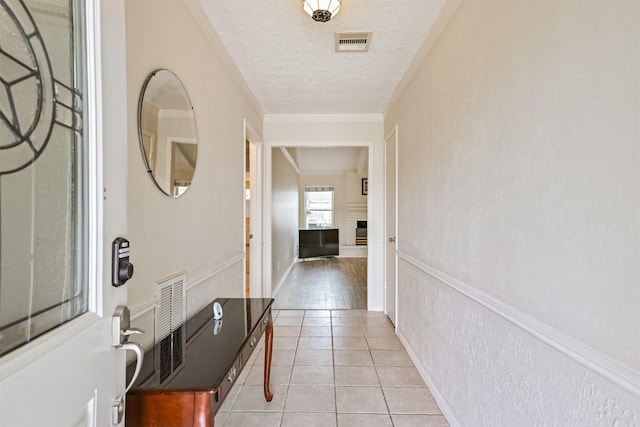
{"points": [[186, 377]]}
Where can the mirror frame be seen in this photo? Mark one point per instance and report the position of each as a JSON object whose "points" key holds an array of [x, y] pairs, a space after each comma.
{"points": [[145, 155]]}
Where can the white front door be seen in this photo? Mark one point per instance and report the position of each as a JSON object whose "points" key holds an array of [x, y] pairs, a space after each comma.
{"points": [[391, 203], [62, 202]]}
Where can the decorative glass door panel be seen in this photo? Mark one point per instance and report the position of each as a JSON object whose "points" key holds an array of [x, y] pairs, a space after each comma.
{"points": [[43, 280]]}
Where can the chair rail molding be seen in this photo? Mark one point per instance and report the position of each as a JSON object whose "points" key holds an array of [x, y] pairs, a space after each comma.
{"points": [[619, 374]]}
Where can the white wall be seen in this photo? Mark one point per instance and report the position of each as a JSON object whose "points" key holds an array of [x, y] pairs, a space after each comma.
{"points": [[355, 207], [354, 194], [201, 232], [284, 207], [519, 237], [347, 208], [338, 130]]}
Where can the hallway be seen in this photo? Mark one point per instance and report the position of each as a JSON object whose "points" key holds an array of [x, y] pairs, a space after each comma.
{"points": [[332, 368]]}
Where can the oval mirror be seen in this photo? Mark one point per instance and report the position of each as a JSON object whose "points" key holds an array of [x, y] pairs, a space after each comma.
{"points": [[167, 132]]}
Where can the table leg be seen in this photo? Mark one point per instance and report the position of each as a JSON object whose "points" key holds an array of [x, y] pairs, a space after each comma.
{"points": [[268, 348]]}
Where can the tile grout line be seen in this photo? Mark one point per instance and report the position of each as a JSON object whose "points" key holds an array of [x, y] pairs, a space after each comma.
{"points": [[334, 366], [375, 368], [293, 364], [333, 362]]}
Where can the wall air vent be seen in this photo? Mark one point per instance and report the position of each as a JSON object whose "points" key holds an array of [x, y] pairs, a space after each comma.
{"points": [[170, 315], [353, 42]]}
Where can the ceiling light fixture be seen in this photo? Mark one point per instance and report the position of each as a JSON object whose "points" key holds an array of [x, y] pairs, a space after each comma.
{"points": [[322, 10]]}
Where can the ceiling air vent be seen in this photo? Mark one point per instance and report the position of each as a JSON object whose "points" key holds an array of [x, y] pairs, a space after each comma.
{"points": [[352, 42]]}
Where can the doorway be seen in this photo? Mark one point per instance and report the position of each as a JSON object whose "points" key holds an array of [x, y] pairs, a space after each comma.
{"points": [[352, 212]]}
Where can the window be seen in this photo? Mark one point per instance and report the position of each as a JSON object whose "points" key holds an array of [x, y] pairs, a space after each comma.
{"points": [[43, 211], [318, 205]]}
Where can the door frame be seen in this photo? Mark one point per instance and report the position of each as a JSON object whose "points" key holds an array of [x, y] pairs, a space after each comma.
{"points": [[374, 271], [388, 233], [255, 211]]}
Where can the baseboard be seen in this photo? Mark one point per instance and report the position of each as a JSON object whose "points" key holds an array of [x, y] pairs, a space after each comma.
{"points": [[485, 366], [353, 251], [283, 278], [440, 400]]}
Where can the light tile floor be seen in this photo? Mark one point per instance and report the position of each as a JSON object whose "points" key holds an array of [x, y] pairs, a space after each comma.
{"points": [[340, 368]]}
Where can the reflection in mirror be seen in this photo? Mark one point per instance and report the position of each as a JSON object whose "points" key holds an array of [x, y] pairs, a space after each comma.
{"points": [[167, 131]]}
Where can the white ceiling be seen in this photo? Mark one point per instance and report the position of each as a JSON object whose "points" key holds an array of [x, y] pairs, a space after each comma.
{"points": [[329, 160], [289, 61]]}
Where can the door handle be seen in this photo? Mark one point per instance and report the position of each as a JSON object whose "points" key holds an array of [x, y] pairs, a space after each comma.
{"points": [[135, 347], [392, 239], [121, 331], [118, 407], [121, 328]]}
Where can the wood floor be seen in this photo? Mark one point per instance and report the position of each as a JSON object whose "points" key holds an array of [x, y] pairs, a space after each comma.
{"points": [[325, 284]]}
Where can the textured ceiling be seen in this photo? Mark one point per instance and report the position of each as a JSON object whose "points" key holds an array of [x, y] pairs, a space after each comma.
{"points": [[289, 60]]}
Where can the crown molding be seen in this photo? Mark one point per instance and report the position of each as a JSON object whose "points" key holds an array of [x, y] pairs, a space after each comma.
{"points": [[445, 16], [279, 118], [195, 8]]}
